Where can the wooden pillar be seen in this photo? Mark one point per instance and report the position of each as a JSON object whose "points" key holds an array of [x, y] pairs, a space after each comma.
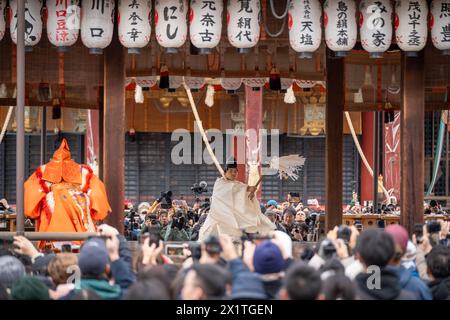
{"points": [[412, 141], [101, 112], [114, 130], [334, 140]]}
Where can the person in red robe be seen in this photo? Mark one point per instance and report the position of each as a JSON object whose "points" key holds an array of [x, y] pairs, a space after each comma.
{"points": [[64, 196]]}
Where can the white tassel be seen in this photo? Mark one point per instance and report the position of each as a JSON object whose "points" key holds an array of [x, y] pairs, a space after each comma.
{"points": [[289, 96], [15, 93], [138, 94], [209, 100], [3, 91], [288, 166]]}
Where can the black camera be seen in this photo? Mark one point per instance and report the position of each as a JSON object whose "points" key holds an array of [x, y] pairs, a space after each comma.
{"points": [[165, 199], [344, 233], [327, 250], [199, 188], [153, 219], [179, 220], [206, 204]]}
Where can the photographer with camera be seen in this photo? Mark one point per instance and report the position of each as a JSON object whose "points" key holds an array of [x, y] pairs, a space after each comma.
{"points": [[133, 221], [177, 229], [300, 232], [273, 216]]}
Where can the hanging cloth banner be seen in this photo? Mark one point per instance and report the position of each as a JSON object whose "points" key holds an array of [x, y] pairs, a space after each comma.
{"points": [[307, 84], [255, 82], [146, 82], [194, 83]]}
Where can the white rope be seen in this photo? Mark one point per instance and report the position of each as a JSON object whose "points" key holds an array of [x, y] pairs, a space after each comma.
{"points": [[274, 13], [278, 33], [5, 125], [361, 153], [202, 131]]}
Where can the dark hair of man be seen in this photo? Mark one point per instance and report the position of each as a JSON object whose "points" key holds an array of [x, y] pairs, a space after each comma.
{"points": [[152, 289], [302, 282], [289, 210], [332, 265], [375, 247], [152, 272], [338, 287], [212, 279], [438, 262]]}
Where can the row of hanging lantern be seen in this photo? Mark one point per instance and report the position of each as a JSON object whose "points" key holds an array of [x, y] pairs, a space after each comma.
{"points": [[95, 18]]}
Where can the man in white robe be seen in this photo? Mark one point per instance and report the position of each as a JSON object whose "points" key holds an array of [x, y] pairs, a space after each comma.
{"points": [[234, 209]]}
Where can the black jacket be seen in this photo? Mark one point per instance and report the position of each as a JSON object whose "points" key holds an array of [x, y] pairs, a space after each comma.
{"points": [[390, 287], [440, 288], [272, 288]]}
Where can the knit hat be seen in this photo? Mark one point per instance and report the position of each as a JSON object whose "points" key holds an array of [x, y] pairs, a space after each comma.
{"points": [[93, 257], [268, 258], [143, 206], [40, 265], [29, 288], [272, 203], [11, 269], [399, 234]]}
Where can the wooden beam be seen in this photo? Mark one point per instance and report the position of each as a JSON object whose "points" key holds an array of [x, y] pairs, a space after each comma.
{"points": [[334, 140], [313, 76], [114, 130], [412, 140], [369, 106]]}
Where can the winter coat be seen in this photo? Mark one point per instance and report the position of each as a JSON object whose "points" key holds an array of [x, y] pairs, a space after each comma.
{"points": [[390, 286], [440, 289]]}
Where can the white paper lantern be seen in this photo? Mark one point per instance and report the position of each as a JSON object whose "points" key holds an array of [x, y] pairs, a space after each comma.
{"points": [[2, 18], [243, 19], [134, 24], [305, 29], [440, 25], [63, 23], [411, 32], [375, 22], [97, 24], [340, 25], [33, 22], [171, 23], [205, 24]]}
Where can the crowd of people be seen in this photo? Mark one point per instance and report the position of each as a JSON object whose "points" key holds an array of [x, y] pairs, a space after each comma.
{"points": [[377, 263], [181, 222]]}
